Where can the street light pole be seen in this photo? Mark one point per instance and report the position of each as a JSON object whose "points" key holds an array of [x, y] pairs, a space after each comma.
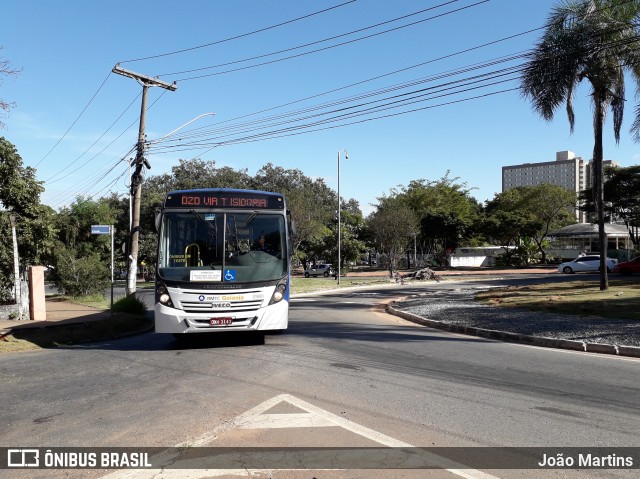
{"points": [[346, 157]]}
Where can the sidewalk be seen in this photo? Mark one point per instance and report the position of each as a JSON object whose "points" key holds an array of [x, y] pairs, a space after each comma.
{"points": [[59, 312]]}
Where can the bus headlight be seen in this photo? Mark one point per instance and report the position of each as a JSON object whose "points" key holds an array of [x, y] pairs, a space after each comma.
{"points": [[162, 296], [280, 291]]}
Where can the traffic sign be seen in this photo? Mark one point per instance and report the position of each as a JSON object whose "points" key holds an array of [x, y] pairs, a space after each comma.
{"points": [[100, 229]]}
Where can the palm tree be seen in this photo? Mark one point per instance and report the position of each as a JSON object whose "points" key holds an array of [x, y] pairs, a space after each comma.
{"points": [[597, 41]]}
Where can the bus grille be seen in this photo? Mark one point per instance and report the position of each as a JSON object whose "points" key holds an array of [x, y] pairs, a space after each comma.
{"points": [[221, 307]]}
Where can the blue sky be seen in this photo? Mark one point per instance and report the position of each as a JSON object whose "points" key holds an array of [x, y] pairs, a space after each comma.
{"points": [[66, 51]]}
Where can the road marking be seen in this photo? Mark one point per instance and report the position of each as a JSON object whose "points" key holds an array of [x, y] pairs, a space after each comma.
{"points": [[258, 418], [582, 353]]}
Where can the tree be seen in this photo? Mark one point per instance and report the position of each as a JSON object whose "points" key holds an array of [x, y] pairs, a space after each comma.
{"points": [[311, 202], [509, 228], [444, 196], [393, 224], [75, 221], [19, 189], [446, 211], [20, 196], [540, 209], [622, 198], [594, 40], [352, 246], [441, 232], [81, 258], [5, 106], [80, 276]]}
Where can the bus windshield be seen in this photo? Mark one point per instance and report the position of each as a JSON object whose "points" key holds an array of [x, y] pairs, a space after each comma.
{"points": [[205, 246]]}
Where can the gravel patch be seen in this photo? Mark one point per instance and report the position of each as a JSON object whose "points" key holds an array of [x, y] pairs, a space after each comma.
{"points": [[459, 307]]}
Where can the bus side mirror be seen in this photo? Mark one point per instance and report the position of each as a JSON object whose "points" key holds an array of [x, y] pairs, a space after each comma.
{"points": [[158, 217], [292, 224], [292, 230]]}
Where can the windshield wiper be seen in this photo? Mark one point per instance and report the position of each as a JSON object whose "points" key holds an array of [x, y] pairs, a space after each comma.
{"points": [[201, 220], [251, 217]]}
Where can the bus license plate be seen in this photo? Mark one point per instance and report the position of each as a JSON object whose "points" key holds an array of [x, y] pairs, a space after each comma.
{"points": [[220, 321]]}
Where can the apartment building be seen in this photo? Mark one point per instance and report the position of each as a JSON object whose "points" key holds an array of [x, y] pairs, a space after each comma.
{"points": [[569, 171]]}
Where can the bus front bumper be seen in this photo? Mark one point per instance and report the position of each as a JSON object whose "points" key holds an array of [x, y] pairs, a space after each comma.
{"points": [[270, 318]]}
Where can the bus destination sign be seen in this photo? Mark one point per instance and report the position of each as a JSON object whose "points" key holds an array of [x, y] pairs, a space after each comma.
{"points": [[207, 199]]}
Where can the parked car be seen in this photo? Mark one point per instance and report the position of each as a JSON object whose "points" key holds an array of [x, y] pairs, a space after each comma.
{"points": [[325, 270], [587, 263], [628, 267]]}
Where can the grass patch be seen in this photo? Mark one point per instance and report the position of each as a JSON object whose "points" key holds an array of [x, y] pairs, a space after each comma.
{"points": [[584, 298], [97, 301], [121, 325], [308, 285]]}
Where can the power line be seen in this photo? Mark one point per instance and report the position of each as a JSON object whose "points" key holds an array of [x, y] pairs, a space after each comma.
{"points": [[327, 47], [49, 180], [417, 65], [90, 182], [347, 119], [341, 115], [108, 145], [53, 178], [325, 39], [255, 123], [75, 121], [287, 133], [236, 37], [254, 133]]}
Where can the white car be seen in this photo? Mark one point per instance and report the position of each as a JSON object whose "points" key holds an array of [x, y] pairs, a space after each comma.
{"points": [[588, 263], [325, 270]]}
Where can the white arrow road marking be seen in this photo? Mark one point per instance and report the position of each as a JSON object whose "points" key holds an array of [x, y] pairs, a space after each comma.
{"points": [[258, 418]]}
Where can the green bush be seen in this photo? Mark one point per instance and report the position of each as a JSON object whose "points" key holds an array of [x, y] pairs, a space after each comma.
{"points": [[84, 276], [130, 304]]}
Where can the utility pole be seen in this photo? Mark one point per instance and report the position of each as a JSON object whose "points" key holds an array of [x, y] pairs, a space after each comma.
{"points": [[16, 266], [136, 177]]}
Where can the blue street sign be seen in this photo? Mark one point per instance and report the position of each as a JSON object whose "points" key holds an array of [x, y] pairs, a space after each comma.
{"points": [[100, 229]]}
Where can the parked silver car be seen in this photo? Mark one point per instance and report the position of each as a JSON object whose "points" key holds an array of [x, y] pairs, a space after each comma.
{"points": [[587, 263], [324, 269]]}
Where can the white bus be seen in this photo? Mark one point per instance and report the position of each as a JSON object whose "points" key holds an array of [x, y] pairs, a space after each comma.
{"points": [[223, 262]]}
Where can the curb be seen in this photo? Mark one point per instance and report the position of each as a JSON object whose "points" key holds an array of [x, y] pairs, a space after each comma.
{"points": [[545, 342]]}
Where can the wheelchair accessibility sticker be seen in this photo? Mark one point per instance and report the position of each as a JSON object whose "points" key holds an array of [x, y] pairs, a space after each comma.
{"points": [[230, 275]]}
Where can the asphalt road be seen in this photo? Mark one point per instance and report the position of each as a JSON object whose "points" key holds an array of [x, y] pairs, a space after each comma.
{"points": [[341, 354]]}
